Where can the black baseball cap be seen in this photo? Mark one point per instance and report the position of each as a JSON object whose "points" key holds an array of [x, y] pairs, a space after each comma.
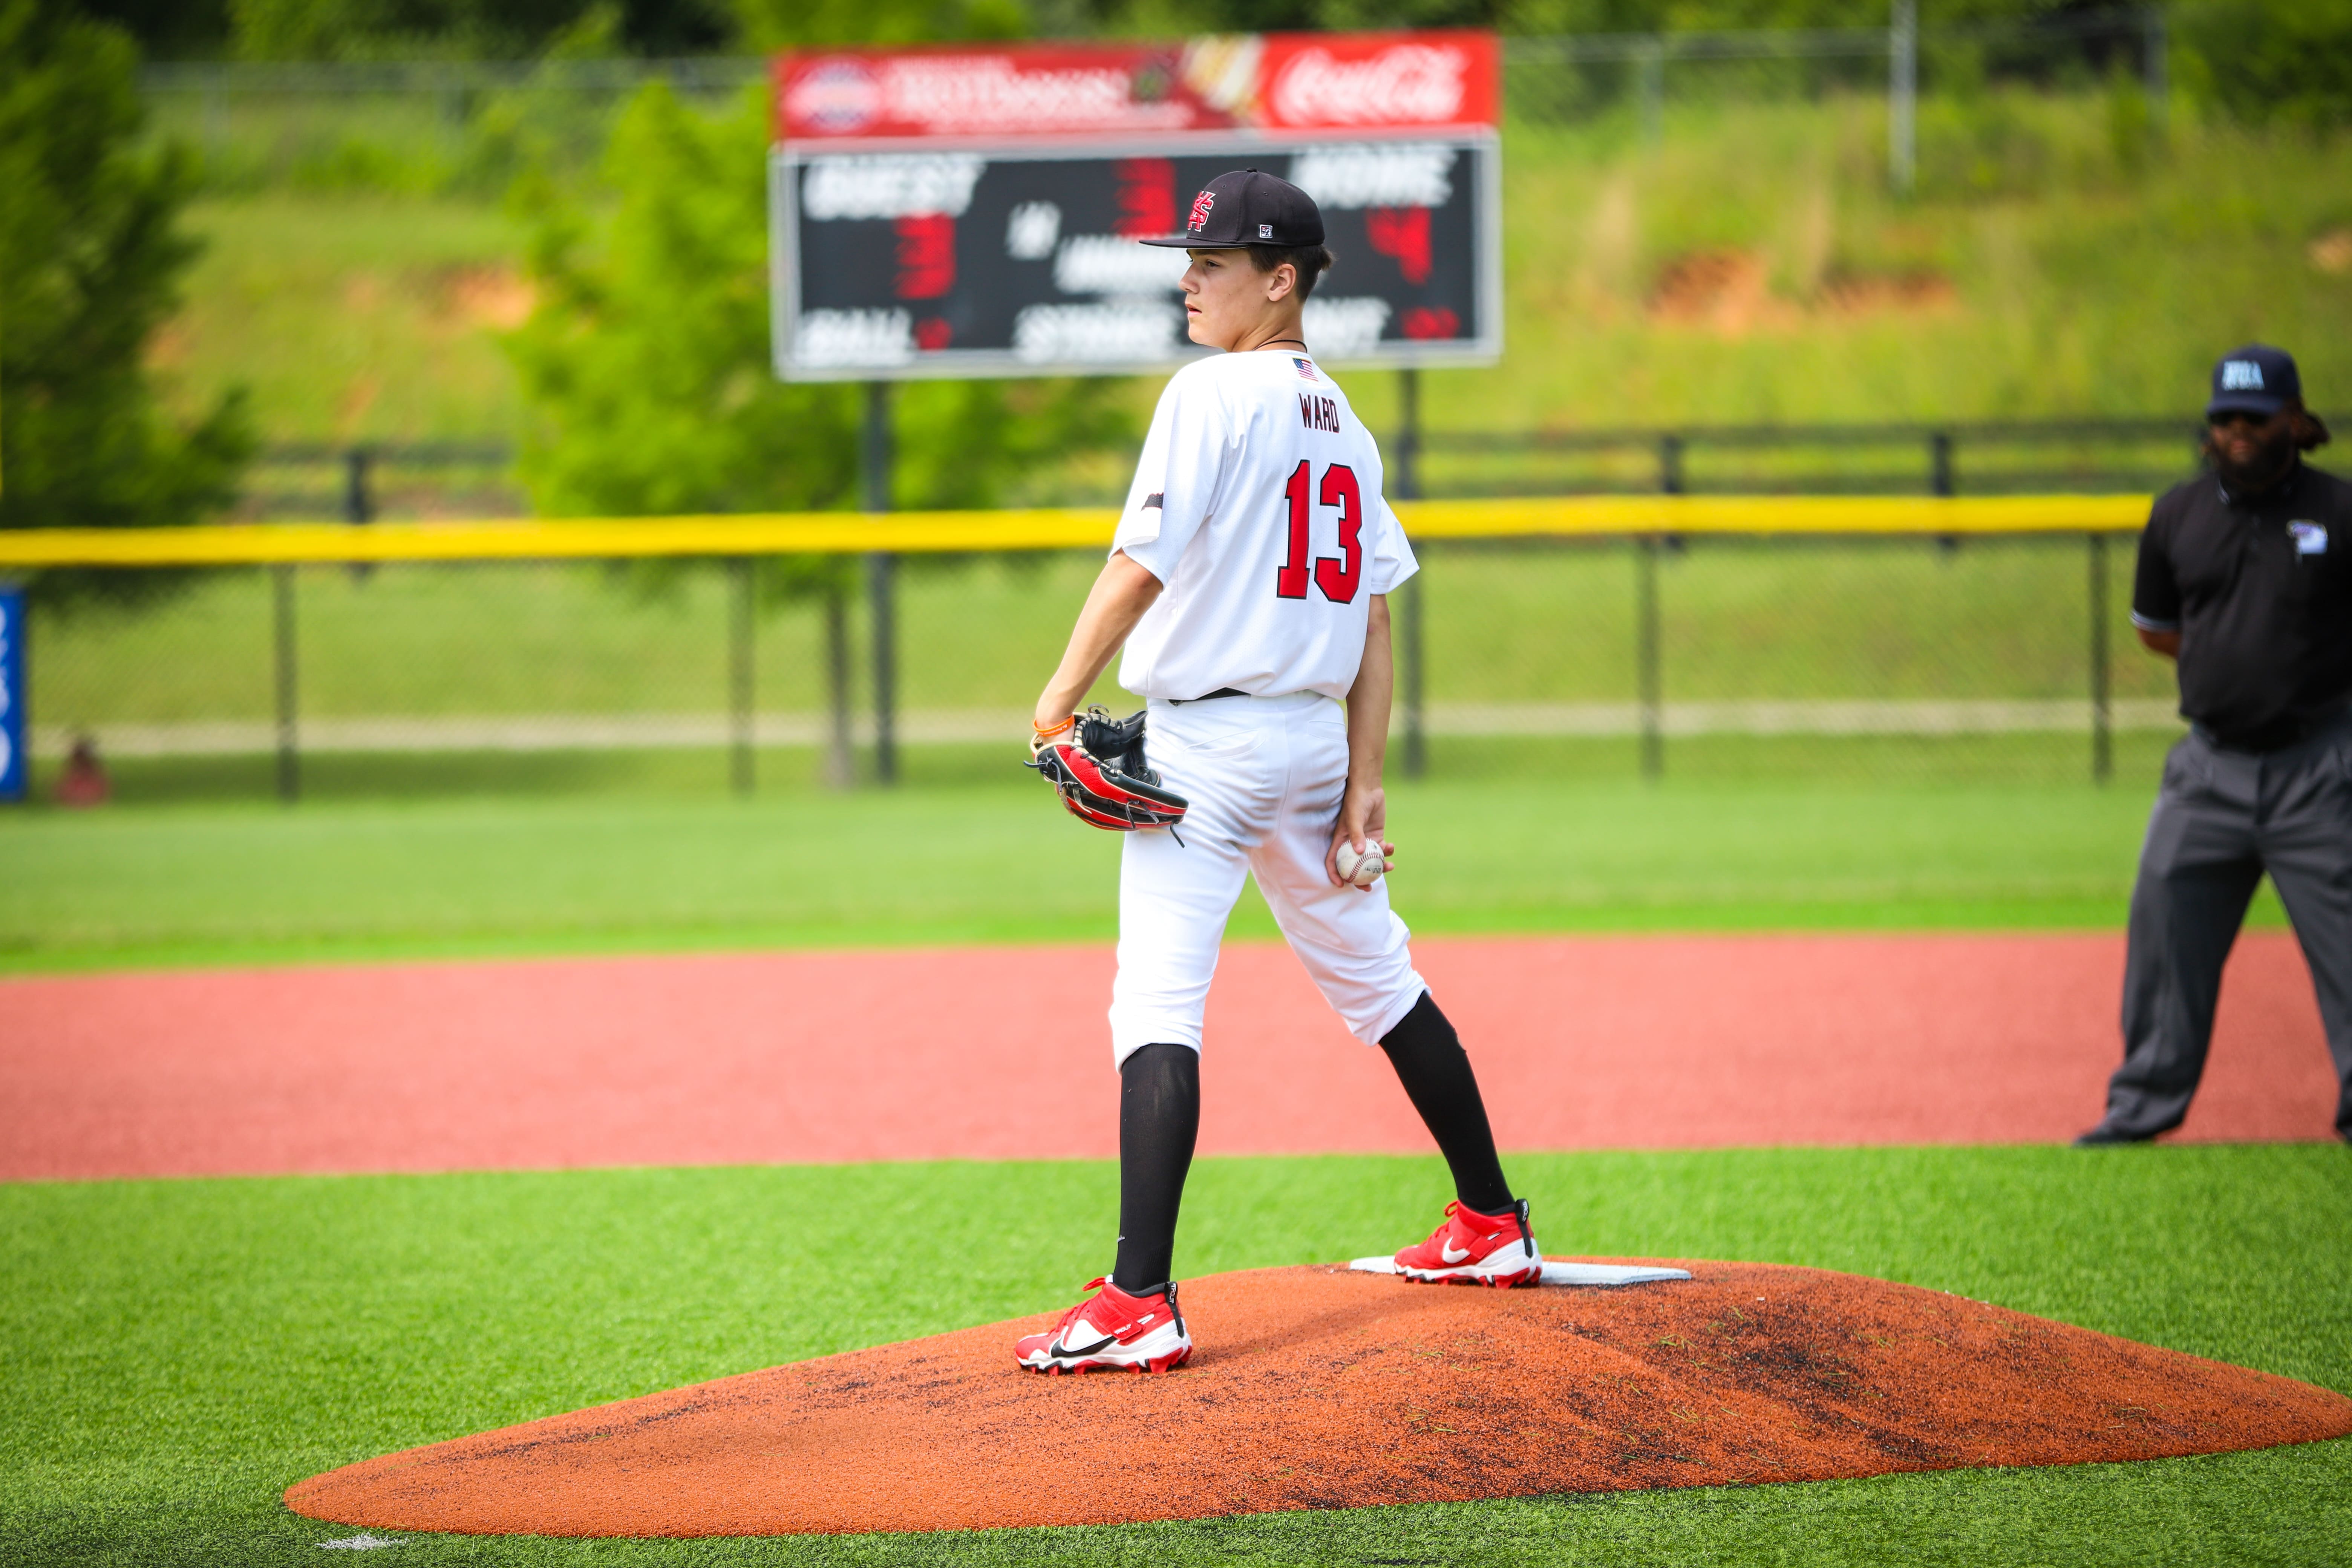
{"points": [[2255, 379], [1247, 208]]}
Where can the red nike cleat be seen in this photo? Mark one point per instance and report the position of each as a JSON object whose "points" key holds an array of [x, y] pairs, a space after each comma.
{"points": [[1113, 1331], [1472, 1248]]}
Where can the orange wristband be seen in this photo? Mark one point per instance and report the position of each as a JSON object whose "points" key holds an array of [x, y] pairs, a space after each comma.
{"points": [[1047, 730]]}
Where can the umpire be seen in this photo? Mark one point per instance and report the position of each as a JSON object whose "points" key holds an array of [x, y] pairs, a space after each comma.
{"points": [[2245, 578]]}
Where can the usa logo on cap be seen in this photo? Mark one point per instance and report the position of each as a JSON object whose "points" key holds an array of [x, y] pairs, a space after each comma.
{"points": [[1201, 206], [2240, 375]]}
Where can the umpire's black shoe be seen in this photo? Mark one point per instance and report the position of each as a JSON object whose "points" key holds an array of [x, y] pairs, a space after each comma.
{"points": [[2104, 1134]]}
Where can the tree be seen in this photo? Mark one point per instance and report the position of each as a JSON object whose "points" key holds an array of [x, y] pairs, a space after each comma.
{"points": [[90, 260], [781, 24], [343, 30], [168, 29], [646, 363], [2266, 61]]}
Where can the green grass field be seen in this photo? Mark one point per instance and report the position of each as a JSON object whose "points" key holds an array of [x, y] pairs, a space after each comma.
{"points": [[177, 1352], [353, 318], [2045, 267], [180, 1352], [974, 854], [2048, 268]]}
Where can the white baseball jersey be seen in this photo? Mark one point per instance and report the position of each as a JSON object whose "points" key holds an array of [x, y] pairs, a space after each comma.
{"points": [[1257, 503]]}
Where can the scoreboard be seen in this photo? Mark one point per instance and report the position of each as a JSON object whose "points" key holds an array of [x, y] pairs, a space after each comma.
{"points": [[922, 226], [1016, 263]]}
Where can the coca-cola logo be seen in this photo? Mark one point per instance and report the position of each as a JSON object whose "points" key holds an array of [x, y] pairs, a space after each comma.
{"points": [[1404, 84], [838, 96], [1201, 206]]}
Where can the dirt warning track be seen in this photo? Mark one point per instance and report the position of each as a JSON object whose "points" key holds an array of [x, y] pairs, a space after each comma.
{"points": [[1314, 1388], [1615, 1042]]}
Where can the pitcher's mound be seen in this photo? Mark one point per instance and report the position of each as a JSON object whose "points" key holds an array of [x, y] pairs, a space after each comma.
{"points": [[1317, 1388]]}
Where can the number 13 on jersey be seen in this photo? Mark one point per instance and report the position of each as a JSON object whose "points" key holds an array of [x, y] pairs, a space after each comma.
{"points": [[1337, 576]]}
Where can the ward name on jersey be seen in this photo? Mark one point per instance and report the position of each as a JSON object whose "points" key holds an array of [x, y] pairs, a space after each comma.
{"points": [[1258, 504]]}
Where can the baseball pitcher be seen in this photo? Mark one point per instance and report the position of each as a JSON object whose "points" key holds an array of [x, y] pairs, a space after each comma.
{"points": [[1248, 584]]}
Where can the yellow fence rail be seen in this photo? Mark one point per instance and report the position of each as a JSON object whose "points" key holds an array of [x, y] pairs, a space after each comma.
{"points": [[918, 532]]}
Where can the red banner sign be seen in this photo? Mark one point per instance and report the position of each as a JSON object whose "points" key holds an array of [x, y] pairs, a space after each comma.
{"points": [[1345, 83]]}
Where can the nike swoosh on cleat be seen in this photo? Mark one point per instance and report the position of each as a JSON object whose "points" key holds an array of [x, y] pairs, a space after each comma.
{"points": [[1450, 1255], [1066, 1350]]}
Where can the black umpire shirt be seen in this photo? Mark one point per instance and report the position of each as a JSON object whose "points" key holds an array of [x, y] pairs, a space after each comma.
{"points": [[2260, 589]]}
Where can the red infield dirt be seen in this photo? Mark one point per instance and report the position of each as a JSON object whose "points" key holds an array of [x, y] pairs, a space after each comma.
{"points": [[1616, 1042], [1314, 1388]]}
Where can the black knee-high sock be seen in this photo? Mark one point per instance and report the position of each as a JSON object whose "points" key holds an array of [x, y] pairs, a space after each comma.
{"points": [[1435, 1071], [1159, 1118]]}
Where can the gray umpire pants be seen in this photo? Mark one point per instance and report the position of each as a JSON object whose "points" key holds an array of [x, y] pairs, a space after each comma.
{"points": [[2221, 819]]}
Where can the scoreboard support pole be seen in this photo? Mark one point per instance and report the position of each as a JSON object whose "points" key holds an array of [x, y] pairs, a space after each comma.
{"points": [[881, 571]]}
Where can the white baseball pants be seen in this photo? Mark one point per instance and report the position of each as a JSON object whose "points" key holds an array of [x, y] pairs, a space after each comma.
{"points": [[1264, 776]]}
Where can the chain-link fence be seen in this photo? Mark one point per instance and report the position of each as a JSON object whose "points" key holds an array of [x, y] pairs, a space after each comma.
{"points": [[361, 481], [1855, 658], [471, 125], [413, 125], [1860, 657], [364, 481], [1904, 658], [1574, 78], [1911, 657]]}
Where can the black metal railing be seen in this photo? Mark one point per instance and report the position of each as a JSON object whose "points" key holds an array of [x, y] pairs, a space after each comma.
{"points": [[363, 481], [1970, 458]]}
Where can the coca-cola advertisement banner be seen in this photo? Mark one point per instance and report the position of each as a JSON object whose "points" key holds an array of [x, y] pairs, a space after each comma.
{"points": [[1274, 83], [1010, 261]]}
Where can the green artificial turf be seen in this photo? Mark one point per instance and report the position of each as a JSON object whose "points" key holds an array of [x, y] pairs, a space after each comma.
{"points": [[180, 1351], [970, 854]]}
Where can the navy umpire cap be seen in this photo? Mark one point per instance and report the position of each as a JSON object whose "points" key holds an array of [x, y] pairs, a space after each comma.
{"points": [[1247, 208], [2257, 380]]}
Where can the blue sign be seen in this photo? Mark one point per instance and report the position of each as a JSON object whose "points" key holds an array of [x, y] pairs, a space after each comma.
{"points": [[13, 760]]}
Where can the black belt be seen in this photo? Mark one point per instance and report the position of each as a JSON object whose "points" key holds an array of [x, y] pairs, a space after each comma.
{"points": [[2274, 737], [1208, 696]]}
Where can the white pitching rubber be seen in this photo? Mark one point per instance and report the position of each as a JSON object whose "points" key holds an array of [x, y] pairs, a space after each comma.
{"points": [[1586, 1274]]}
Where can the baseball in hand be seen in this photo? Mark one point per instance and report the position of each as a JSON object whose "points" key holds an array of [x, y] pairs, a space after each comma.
{"points": [[1362, 870]]}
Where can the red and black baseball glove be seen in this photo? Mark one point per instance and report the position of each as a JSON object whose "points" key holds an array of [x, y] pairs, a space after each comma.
{"points": [[1096, 762]]}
